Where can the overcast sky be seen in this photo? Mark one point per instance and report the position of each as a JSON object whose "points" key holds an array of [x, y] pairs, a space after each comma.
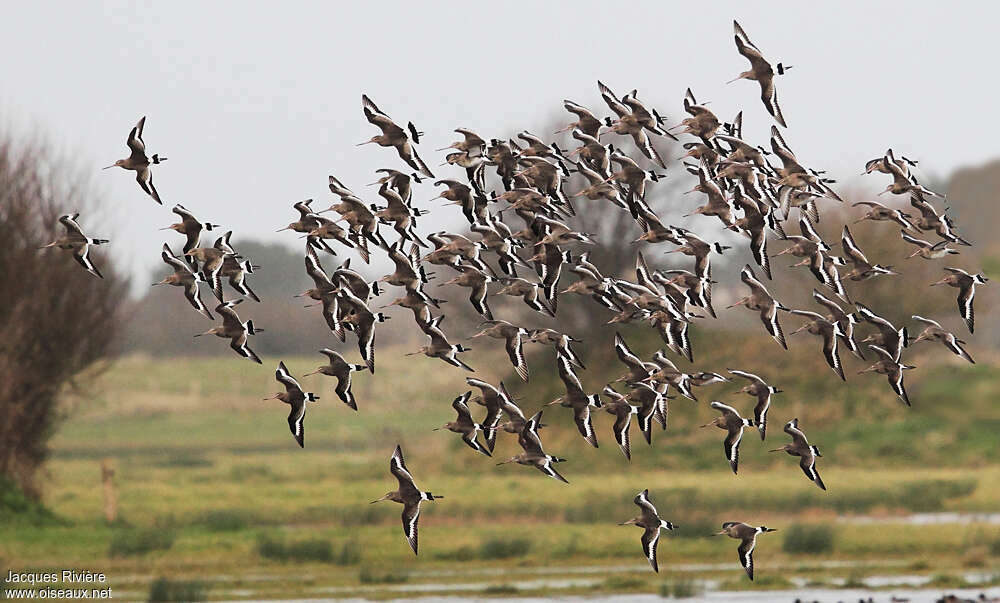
{"points": [[255, 103]]}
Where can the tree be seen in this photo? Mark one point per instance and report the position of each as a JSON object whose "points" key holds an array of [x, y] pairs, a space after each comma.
{"points": [[56, 319]]}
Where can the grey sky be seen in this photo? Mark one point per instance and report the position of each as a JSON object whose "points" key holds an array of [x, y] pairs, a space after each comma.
{"points": [[255, 103]]}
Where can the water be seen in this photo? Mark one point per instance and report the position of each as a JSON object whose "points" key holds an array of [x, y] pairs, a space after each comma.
{"points": [[774, 596]]}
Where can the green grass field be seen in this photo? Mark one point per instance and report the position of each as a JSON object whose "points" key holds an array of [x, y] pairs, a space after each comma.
{"points": [[214, 492]]}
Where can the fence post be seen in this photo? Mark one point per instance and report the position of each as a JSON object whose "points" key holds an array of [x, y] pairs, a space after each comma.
{"points": [[110, 496]]}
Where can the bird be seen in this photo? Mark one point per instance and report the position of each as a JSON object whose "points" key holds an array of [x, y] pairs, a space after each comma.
{"points": [[534, 455], [619, 406], [527, 291], [296, 399], [863, 269], [761, 72], [888, 337], [464, 424], [762, 301], [586, 122], [577, 399], [926, 249], [888, 364], [935, 332], [560, 341], [966, 285], [801, 448], [183, 276], [747, 535], [408, 495], [477, 281], [879, 212], [649, 520], [210, 259], [497, 401], [234, 329], [827, 329], [652, 404], [761, 390], [341, 369], [845, 322], [733, 423], [440, 347], [139, 162], [511, 334], [638, 369], [189, 226], [363, 320], [74, 240], [393, 136], [470, 143]]}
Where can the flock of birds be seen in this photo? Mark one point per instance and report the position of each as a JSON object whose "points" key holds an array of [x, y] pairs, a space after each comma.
{"points": [[743, 188]]}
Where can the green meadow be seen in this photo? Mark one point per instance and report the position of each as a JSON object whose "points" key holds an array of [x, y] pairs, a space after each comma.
{"points": [[216, 501]]}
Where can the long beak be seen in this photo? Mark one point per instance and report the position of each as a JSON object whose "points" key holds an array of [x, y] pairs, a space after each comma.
{"points": [[109, 167], [777, 450], [285, 228], [735, 79], [364, 143], [312, 373]]}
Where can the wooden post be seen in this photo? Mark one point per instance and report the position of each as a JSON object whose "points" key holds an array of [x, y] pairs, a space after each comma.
{"points": [[110, 496]]}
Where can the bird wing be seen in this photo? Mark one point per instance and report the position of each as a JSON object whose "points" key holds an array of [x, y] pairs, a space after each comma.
{"points": [[581, 415], [285, 378], [747, 375], [411, 514], [397, 467], [851, 249], [461, 406], [612, 101], [134, 141], [296, 422], [745, 552], [515, 352], [649, 540], [569, 378]]}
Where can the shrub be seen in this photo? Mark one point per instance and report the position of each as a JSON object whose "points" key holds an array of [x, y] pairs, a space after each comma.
{"points": [[501, 589], [931, 494], [52, 342], [811, 539], [623, 583], [15, 507], [223, 520], [497, 548], [367, 576], [128, 542], [680, 588], [312, 549], [164, 589]]}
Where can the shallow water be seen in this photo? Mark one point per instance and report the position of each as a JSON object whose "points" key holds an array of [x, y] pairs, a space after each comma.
{"points": [[775, 596]]}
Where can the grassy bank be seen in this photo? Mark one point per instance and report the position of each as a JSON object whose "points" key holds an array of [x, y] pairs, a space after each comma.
{"points": [[208, 479]]}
